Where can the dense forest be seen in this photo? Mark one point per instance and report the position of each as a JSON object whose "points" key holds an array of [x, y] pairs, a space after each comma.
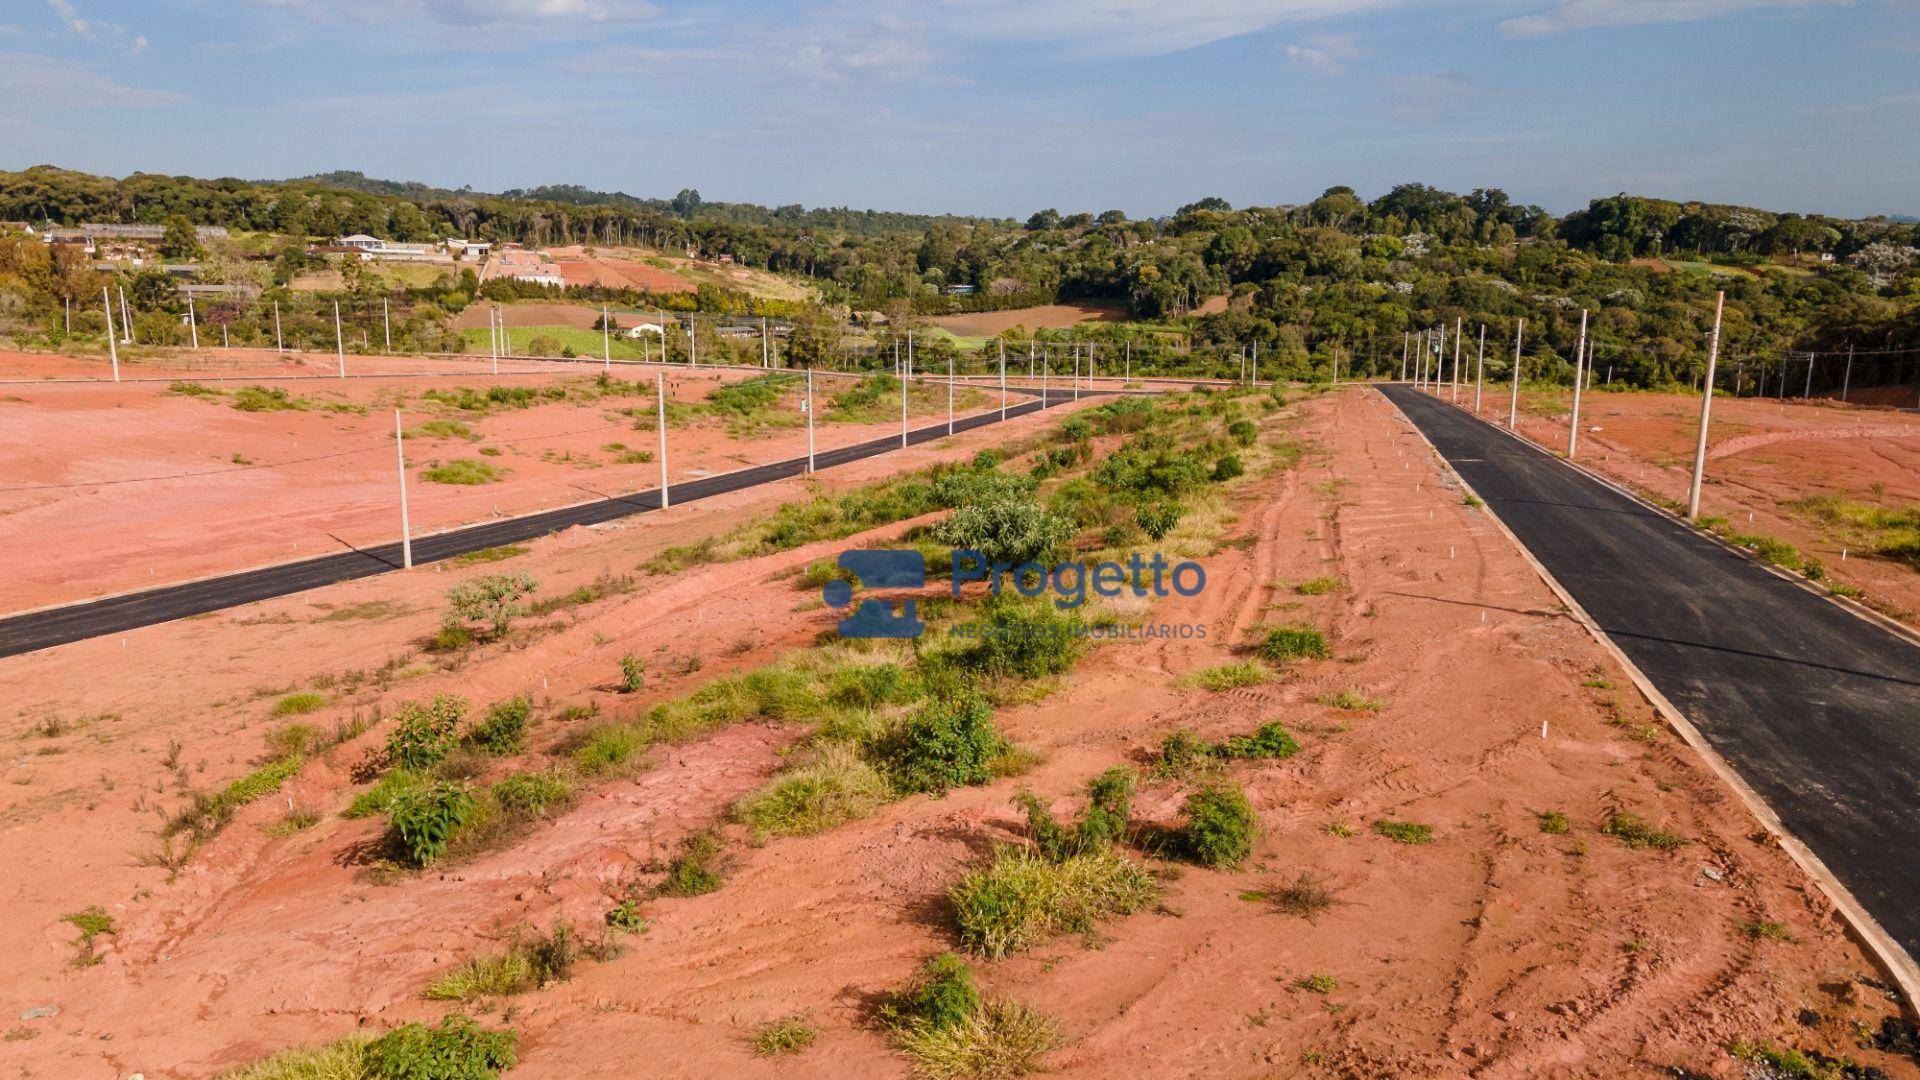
{"points": [[1338, 276]]}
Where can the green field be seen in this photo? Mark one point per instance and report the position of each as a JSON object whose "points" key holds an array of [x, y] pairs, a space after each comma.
{"points": [[582, 342]]}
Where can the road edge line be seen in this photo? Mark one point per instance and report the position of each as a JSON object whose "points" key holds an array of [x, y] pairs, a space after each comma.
{"points": [[1894, 960]]}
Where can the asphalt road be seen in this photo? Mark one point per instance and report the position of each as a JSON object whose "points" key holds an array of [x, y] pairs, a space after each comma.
{"points": [[31, 631], [1816, 708]]}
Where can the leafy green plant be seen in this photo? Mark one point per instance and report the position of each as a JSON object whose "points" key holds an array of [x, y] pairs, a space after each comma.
{"points": [[1021, 640], [425, 732], [633, 674], [1103, 821], [1404, 832], [694, 872], [944, 744], [1011, 531], [1554, 823], [1023, 897], [1220, 826], [504, 729], [424, 820], [530, 794], [458, 1049], [1158, 519], [1283, 643], [462, 471], [495, 600]]}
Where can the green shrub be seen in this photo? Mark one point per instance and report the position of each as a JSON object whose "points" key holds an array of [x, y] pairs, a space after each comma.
{"points": [[1000, 1038], [424, 733], [1220, 826], [633, 674], [941, 996], [1076, 429], [424, 820], [836, 786], [504, 729], [530, 794], [529, 963], [1229, 676], [1631, 830], [694, 871], [1022, 641], [1011, 531], [608, 748], [1159, 519], [1228, 467], [344, 1059], [382, 796], [264, 399], [1554, 822], [208, 813], [1404, 832], [1243, 432], [1284, 643], [869, 686], [465, 471], [458, 1049], [1157, 472], [964, 487], [495, 599], [945, 744], [1270, 740], [1022, 897], [787, 1035], [1103, 822], [299, 704]]}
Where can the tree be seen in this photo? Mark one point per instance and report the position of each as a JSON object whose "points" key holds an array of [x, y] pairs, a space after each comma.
{"points": [[815, 338], [181, 240], [1045, 219]]}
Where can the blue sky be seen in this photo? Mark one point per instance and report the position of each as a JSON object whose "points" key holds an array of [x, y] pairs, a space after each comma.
{"points": [[989, 106]]}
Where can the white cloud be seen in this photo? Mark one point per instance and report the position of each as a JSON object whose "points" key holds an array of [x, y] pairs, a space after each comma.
{"points": [[1325, 54], [543, 15], [42, 83], [1144, 27], [1597, 14], [99, 30]]}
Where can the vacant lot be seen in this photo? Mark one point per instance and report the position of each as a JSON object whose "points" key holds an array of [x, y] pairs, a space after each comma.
{"points": [[121, 487], [1823, 478], [1047, 317], [1476, 853]]}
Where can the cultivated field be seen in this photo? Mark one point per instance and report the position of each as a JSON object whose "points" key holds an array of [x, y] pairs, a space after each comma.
{"points": [[118, 487], [1393, 814], [1822, 478], [986, 324]]}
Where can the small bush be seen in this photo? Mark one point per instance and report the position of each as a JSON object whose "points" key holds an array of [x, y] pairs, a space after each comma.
{"points": [[1220, 826], [1271, 741], [1001, 1038], [424, 733], [1317, 984], [529, 963], [942, 996], [394, 784], [1319, 586], [299, 704], [505, 728], [787, 1035], [1350, 700], [1158, 520], [1634, 832], [465, 471], [1011, 531], [458, 1049], [1229, 467], [1102, 823], [633, 674], [1554, 823], [608, 749], [1023, 897], [530, 794], [943, 745], [424, 820], [495, 599], [693, 872], [1283, 643], [1305, 898], [836, 786], [345, 1059], [1229, 676], [1404, 832], [1243, 432], [1022, 641]]}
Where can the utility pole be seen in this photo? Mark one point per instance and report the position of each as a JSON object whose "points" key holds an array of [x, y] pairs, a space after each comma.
{"points": [[386, 320], [1046, 399], [949, 393], [766, 360], [1513, 401], [660, 390], [279, 344], [113, 346], [1003, 382], [809, 414], [1459, 325], [493, 337], [1404, 340], [1807, 394], [406, 533], [193, 321], [1129, 348], [693, 342], [1706, 412], [906, 372], [606, 341], [1256, 365], [1579, 357], [339, 343], [1846, 383], [126, 321], [1480, 370]]}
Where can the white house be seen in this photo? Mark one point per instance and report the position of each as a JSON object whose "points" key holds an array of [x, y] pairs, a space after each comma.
{"points": [[642, 330], [361, 241]]}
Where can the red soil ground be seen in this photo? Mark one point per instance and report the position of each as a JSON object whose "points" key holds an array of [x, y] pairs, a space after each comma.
{"points": [[1045, 317], [1497, 950], [1762, 456], [123, 487], [579, 267]]}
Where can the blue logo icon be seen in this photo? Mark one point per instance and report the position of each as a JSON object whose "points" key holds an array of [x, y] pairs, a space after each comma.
{"points": [[879, 570]]}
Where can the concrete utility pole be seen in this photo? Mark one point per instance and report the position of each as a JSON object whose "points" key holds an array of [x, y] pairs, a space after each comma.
{"points": [[1003, 382], [660, 389], [1480, 370], [1579, 358], [113, 347], [1437, 371], [949, 393], [693, 342], [506, 342], [766, 358], [809, 419], [1046, 398], [386, 320], [279, 344], [493, 337], [1459, 326], [1129, 347], [193, 321], [606, 341], [339, 343], [1405, 340], [1706, 412], [1846, 382], [406, 533], [906, 372], [126, 321], [1513, 401], [1807, 394], [1256, 365]]}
